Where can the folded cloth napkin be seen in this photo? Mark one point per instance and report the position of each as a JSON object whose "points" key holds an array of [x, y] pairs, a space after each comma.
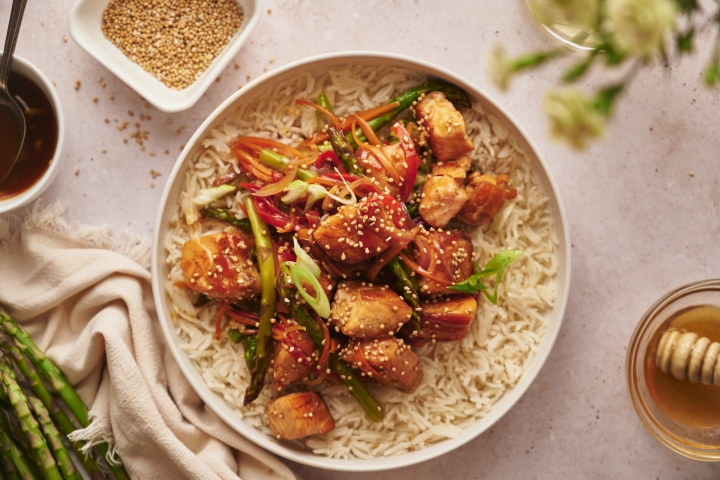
{"points": [[88, 305]]}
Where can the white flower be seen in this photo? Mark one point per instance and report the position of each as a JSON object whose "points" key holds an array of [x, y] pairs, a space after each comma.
{"points": [[572, 118], [577, 13], [500, 67], [639, 26]]}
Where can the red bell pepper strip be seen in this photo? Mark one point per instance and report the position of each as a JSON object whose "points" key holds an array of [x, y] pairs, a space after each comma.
{"points": [[331, 156], [411, 158]]}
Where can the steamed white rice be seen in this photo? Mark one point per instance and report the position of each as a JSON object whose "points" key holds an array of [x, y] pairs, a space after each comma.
{"points": [[462, 380]]}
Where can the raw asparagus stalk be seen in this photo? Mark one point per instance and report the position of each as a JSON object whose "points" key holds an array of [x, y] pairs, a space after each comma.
{"points": [[408, 291], [58, 416], [456, 95], [54, 441], [344, 151], [60, 384], [38, 446], [350, 378], [7, 467], [263, 339], [228, 217], [22, 467]]}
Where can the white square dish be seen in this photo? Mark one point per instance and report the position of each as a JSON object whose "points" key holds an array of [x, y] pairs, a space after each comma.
{"points": [[85, 24]]}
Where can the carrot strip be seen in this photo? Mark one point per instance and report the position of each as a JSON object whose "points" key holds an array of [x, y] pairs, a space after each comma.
{"points": [[218, 320], [324, 110]]}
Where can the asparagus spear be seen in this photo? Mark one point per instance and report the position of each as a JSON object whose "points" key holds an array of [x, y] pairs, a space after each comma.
{"points": [[455, 94], [324, 102], [344, 151], [62, 458], [21, 465], [38, 446], [408, 289], [58, 416], [225, 216], [7, 467], [350, 378], [263, 339], [60, 384]]}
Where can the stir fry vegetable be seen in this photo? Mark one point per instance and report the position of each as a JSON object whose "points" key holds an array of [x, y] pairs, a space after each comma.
{"points": [[266, 258], [350, 251], [496, 266], [57, 379]]}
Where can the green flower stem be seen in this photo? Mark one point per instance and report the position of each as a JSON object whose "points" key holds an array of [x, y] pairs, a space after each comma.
{"points": [[534, 59]]}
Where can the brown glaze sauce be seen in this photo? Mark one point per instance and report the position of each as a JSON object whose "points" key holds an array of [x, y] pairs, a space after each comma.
{"points": [[41, 136]]}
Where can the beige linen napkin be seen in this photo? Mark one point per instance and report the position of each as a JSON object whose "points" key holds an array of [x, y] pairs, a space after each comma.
{"points": [[88, 304]]}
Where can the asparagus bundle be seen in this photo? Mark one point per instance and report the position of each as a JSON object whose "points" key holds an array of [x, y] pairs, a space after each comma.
{"points": [[44, 425]]}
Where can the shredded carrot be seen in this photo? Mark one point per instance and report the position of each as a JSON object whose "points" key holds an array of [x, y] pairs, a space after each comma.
{"points": [[366, 115], [291, 224], [367, 130], [258, 143], [421, 271], [325, 111]]}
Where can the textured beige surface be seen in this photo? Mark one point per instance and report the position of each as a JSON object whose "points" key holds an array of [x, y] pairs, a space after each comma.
{"points": [[640, 224]]}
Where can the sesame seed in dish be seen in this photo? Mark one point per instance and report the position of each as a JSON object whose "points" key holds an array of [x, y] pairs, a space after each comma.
{"points": [[175, 41]]}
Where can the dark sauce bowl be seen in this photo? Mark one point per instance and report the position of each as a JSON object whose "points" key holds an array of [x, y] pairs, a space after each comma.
{"points": [[42, 149]]}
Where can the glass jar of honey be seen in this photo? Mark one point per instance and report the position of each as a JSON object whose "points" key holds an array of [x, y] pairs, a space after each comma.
{"points": [[671, 369]]}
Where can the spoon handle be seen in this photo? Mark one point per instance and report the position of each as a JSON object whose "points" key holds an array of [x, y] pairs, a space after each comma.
{"points": [[16, 15]]}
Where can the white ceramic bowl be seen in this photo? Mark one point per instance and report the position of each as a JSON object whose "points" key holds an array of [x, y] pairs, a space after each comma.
{"points": [[22, 66], [86, 30], [318, 65]]}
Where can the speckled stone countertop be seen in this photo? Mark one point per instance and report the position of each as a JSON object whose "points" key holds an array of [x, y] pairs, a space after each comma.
{"points": [[641, 223]]}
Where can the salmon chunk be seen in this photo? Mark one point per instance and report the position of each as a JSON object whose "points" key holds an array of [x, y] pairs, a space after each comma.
{"points": [[387, 360], [299, 415], [442, 198], [453, 168], [285, 369], [444, 126], [219, 266], [394, 156], [446, 319], [361, 310], [448, 257], [487, 196], [356, 232]]}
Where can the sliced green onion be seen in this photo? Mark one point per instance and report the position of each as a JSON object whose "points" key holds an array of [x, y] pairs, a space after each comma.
{"points": [[320, 302], [273, 159], [324, 147], [209, 195], [305, 261], [294, 191], [304, 174], [315, 192]]}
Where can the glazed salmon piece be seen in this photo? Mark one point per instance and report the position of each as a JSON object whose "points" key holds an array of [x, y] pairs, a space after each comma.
{"points": [[220, 267], [387, 360], [444, 126], [363, 310], [299, 415], [442, 198]]}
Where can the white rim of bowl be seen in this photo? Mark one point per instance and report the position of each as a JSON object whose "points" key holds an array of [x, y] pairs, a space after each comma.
{"points": [[43, 182], [261, 439]]}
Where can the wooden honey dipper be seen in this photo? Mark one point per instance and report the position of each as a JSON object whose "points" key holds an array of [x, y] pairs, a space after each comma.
{"points": [[688, 357]]}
